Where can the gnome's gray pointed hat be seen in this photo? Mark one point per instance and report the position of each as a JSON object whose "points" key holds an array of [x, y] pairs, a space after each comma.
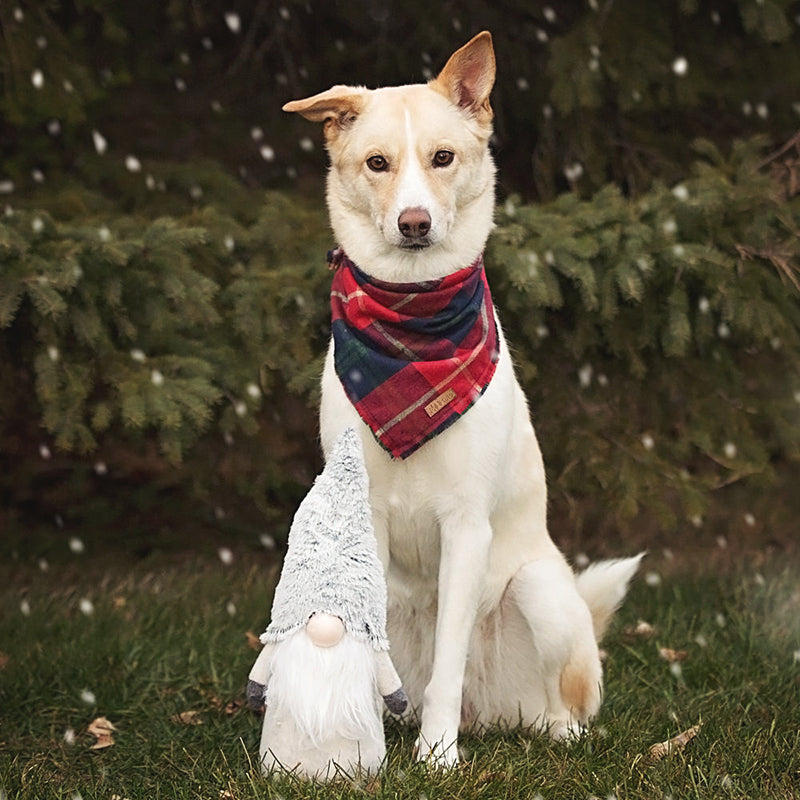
{"points": [[332, 564]]}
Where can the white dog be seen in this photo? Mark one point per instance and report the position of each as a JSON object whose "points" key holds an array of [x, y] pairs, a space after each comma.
{"points": [[486, 618]]}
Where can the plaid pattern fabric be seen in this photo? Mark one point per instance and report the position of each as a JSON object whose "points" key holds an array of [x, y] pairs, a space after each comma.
{"points": [[412, 357]]}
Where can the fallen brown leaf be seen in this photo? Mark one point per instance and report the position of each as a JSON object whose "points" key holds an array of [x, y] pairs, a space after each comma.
{"points": [[103, 731], [673, 745], [253, 642], [642, 628], [231, 708], [187, 718], [670, 655]]}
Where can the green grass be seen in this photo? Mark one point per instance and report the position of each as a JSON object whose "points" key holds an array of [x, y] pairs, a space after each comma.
{"points": [[168, 636]]}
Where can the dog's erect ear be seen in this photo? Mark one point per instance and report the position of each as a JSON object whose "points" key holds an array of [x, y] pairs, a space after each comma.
{"points": [[337, 107], [468, 76]]}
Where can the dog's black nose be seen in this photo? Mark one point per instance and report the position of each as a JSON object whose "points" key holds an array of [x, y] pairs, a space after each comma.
{"points": [[414, 223]]}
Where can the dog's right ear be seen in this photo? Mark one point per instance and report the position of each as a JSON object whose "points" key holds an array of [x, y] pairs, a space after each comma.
{"points": [[337, 107]]}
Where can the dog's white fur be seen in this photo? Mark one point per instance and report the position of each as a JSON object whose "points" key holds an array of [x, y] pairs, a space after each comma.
{"points": [[486, 619]]}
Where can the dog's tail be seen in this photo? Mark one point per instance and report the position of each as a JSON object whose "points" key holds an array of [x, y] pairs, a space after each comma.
{"points": [[603, 586]]}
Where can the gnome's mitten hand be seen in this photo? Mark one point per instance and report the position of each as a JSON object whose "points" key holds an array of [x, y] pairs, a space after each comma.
{"points": [[397, 701], [389, 684], [256, 696], [259, 677]]}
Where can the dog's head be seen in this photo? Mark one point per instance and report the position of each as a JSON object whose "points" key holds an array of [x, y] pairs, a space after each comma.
{"points": [[411, 184]]}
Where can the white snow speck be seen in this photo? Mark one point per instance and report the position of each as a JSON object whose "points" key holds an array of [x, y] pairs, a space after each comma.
{"points": [[54, 127], [542, 331], [306, 144], [37, 225], [44, 566], [253, 390], [69, 736], [86, 606], [585, 376], [680, 66], [701, 640], [25, 608], [41, 42], [101, 468], [138, 355], [720, 620], [697, 521], [749, 520], [156, 378], [233, 21], [681, 192], [522, 84], [722, 542], [44, 452], [52, 353], [267, 541], [648, 442], [542, 36], [267, 153], [76, 545], [230, 243], [225, 556], [207, 43], [6, 187], [549, 14], [132, 164], [256, 133], [180, 84], [196, 192], [581, 560], [37, 79], [703, 305], [19, 15], [797, 656], [652, 579], [88, 697], [723, 331], [675, 669], [231, 608], [240, 408], [574, 171], [37, 175], [68, 87], [762, 110], [730, 450], [670, 227], [285, 13]]}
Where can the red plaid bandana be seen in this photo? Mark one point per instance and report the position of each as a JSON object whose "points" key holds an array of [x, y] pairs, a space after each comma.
{"points": [[412, 357]]}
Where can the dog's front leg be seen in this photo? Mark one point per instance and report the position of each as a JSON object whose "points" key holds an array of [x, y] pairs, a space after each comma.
{"points": [[463, 563]]}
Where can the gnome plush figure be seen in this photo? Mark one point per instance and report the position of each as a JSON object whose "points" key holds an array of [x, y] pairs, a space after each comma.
{"points": [[325, 671]]}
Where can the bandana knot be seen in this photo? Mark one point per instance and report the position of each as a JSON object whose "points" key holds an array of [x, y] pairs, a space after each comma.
{"points": [[412, 357]]}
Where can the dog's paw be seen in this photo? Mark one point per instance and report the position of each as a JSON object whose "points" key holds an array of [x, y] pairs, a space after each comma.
{"points": [[436, 753]]}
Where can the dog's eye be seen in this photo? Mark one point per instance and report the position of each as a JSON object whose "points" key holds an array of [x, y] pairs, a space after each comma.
{"points": [[377, 163], [443, 158]]}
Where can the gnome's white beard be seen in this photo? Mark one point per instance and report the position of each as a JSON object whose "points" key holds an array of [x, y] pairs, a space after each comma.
{"points": [[327, 692]]}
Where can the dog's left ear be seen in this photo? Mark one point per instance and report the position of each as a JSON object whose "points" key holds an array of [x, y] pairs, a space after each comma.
{"points": [[468, 77]]}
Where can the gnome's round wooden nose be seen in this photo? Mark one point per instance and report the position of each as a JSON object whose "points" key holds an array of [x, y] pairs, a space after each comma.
{"points": [[325, 630]]}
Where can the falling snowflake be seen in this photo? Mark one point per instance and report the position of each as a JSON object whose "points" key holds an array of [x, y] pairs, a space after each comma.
{"points": [[86, 607], [253, 391], [306, 144], [703, 305], [267, 153], [233, 21], [54, 127], [138, 355], [225, 556], [100, 468], [132, 164], [88, 697], [69, 736], [681, 192], [730, 450], [37, 79], [267, 541], [25, 608], [156, 378], [652, 579], [680, 66], [749, 520], [44, 452], [585, 376], [76, 545], [231, 608], [648, 442], [6, 187], [52, 353]]}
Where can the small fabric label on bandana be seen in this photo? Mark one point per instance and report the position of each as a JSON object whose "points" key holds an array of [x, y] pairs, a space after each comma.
{"points": [[412, 357]]}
